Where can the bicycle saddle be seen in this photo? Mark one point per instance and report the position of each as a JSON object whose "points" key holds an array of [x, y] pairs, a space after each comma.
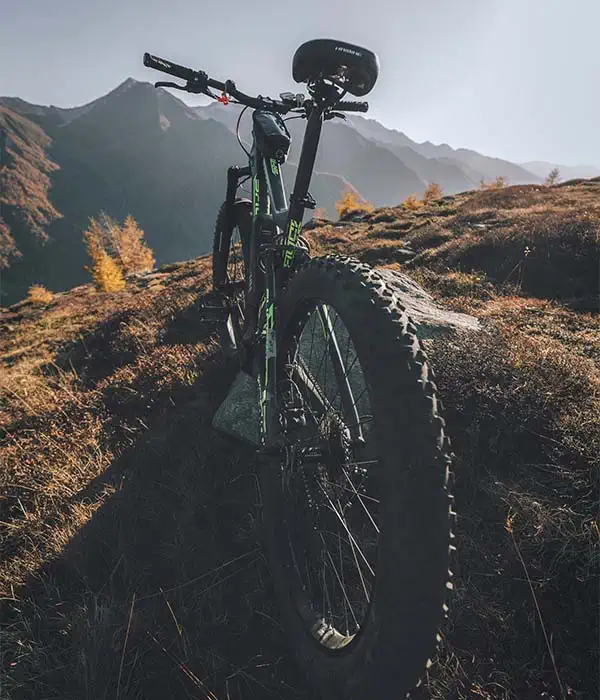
{"points": [[353, 68]]}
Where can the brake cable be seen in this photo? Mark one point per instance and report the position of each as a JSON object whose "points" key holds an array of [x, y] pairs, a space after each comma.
{"points": [[237, 131]]}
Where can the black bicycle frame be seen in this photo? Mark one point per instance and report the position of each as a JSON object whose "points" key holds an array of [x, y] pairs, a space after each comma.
{"points": [[270, 212], [268, 191]]}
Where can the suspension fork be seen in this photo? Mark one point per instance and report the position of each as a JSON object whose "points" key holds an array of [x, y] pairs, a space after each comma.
{"points": [[269, 413], [234, 174], [260, 207]]}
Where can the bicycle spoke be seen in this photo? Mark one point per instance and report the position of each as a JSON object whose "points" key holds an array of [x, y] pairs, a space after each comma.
{"points": [[357, 494], [347, 490], [358, 568], [341, 584], [327, 380], [350, 535]]}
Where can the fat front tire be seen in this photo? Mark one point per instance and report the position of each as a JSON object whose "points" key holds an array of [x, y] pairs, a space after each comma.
{"points": [[387, 654]]}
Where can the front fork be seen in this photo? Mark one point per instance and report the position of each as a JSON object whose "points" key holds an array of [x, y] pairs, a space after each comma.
{"points": [[234, 174], [269, 414]]}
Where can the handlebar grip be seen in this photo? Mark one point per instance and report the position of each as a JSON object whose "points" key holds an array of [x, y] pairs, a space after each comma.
{"points": [[169, 67], [350, 106]]}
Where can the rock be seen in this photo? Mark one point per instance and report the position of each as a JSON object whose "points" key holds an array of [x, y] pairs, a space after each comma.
{"points": [[238, 416], [404, 253], [431, 320]]}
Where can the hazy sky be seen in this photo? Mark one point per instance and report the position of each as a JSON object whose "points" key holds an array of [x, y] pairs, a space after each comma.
{"points": [[518, 79]]}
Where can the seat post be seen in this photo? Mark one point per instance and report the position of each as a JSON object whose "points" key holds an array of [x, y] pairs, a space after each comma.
{"points": [[298, 200]]}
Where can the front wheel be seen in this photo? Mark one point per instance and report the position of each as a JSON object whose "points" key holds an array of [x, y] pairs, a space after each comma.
{"points": [[356, 513]]}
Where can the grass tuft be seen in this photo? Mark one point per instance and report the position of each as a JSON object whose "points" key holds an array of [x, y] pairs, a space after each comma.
{"points": [[38, 294]]}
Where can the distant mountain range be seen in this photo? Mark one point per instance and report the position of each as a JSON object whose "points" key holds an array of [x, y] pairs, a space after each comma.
{"points": [[144, 152], [566, 172]]}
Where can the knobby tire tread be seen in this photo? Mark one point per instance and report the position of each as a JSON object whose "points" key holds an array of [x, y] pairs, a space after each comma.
{"points": [[385, 662]]}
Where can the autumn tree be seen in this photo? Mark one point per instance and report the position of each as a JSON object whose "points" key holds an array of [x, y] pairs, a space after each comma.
{"points": [[351, 203], [122, 242], [134, 253], [116, 250], [106, 273], [553, 177], [432, 192], [499, 183]]}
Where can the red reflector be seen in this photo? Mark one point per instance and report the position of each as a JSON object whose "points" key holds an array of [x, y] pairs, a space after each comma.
{"points": [[224, 99]]}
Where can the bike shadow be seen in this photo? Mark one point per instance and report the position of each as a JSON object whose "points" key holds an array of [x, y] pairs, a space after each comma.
{"points": [[164, 591]]}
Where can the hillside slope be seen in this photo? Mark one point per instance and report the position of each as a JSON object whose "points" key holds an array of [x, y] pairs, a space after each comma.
{"points": [[130, 561], [25, 206]]}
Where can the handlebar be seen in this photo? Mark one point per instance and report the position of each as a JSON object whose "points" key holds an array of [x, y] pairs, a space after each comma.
{"points": [[199, 82], [350, 106], [169, 67]]}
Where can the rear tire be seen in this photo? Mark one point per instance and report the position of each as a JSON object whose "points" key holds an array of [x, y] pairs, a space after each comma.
{"points": [[229, 262], [387, 655]]}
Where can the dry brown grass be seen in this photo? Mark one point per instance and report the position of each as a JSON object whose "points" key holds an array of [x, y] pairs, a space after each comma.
{"points": [[413, 203], [497, 184], [130, 560], [527, 239], [523, 409], [523, 406]]}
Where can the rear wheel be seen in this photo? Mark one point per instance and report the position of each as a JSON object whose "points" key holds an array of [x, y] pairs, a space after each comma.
{"points": [[230, 255], [357, 512]]}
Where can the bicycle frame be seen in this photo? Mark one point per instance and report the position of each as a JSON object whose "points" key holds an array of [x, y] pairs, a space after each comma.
{"points": [[271, 213]]}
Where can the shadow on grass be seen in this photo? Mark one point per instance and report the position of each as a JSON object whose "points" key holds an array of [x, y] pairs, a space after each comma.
{"points": [[163, 593]]}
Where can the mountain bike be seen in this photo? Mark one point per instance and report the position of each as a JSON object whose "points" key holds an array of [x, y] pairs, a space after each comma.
{"points": [[354, 457]]}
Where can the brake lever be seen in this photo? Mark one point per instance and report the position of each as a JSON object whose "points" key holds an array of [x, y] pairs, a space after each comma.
{"points": [[188, 87], [169, 85], [334, 115]]}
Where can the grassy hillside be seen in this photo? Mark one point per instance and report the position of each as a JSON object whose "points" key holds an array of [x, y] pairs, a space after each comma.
{"points": [[25, 207], [130, 563]]}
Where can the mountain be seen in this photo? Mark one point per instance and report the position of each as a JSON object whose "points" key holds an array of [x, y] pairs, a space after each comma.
{"points": [[475, 166], [137, 151], [566, 172]]}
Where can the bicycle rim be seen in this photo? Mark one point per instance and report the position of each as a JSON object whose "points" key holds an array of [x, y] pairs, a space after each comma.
{"points": [[233, 289], [329, 477]]}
